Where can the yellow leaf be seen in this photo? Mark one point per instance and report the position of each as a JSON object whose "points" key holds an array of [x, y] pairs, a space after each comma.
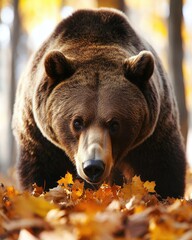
{"points": [[165, 228], [28, 206], [66, 181], [137, 187], [150, 186]]}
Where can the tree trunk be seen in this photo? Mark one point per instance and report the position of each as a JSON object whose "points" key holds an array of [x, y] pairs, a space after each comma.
{"points": [[118, 4], [176, 60], [12, 86]]}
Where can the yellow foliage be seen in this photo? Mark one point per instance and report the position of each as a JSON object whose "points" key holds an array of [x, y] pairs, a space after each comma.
{"points": [[35, 12], [72, 212], [165, 229], [159, 25]]}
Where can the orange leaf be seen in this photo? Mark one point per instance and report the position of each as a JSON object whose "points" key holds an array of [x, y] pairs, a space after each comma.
{"points": [[104, 194], [11, 192], [77, 189]]}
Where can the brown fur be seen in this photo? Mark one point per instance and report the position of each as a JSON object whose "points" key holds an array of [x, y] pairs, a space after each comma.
{"points": [[95, 73]]}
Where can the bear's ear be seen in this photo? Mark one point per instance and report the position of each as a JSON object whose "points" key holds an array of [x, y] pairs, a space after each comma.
{"points": [[138, 69], [57, 66]]}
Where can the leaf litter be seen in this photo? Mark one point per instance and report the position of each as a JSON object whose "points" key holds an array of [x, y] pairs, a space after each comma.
{"points": [[69, 211]]}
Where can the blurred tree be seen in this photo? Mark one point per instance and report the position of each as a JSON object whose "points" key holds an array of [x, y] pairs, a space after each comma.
{"points": [[12, 88], [176, 60], [118, 4]]}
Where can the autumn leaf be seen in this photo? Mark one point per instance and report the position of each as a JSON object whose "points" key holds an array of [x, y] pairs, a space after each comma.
{"points": [[135, 188], [165, 228], [149, 186], [37, 191], [59, 195], [66, 181], [77, 189], [11, 192], [104, 194], [26, 206], [181, 210]]}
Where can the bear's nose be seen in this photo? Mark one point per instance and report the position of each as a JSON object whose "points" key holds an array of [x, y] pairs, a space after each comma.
{"points": [[93, 169]]}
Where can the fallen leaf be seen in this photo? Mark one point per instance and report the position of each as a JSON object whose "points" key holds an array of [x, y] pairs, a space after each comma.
{"points": [[77, 189], [26, 206], [150, 186], [66, 181], [37, 191]]}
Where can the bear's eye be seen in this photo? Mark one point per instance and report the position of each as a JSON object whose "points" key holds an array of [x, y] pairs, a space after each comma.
{"points": [[78, 124], [113, 127]]}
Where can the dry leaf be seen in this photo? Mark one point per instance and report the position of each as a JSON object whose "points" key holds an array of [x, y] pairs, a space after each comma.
{"points": [[77, 189], [150, 186], [66, 181], [37, 191]]}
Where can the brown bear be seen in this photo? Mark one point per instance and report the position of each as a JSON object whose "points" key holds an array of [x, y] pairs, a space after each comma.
{"points": [[96, 102]]}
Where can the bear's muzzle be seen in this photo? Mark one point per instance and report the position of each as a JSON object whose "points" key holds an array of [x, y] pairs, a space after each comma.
{"points": [[94, 156]]}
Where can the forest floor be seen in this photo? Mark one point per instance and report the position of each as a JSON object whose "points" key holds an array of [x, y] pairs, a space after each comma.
{"points": [[70, 212]]}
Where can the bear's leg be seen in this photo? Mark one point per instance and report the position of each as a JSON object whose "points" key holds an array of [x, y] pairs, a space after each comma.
{"points": [[163, 163], [42, 167]]}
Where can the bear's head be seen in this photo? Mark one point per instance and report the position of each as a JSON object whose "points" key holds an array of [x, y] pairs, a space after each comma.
{"points": [[97, 110]]}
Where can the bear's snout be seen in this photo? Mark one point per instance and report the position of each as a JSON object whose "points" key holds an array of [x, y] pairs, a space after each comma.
{"points": [[94, 170], [94, 156]]}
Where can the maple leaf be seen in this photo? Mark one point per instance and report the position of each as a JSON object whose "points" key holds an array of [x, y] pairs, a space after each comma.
{"points": [[126, 192], [77, 189], [138, 187], [66, 181], [150, 186], [104, 194], [135, 188]]}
